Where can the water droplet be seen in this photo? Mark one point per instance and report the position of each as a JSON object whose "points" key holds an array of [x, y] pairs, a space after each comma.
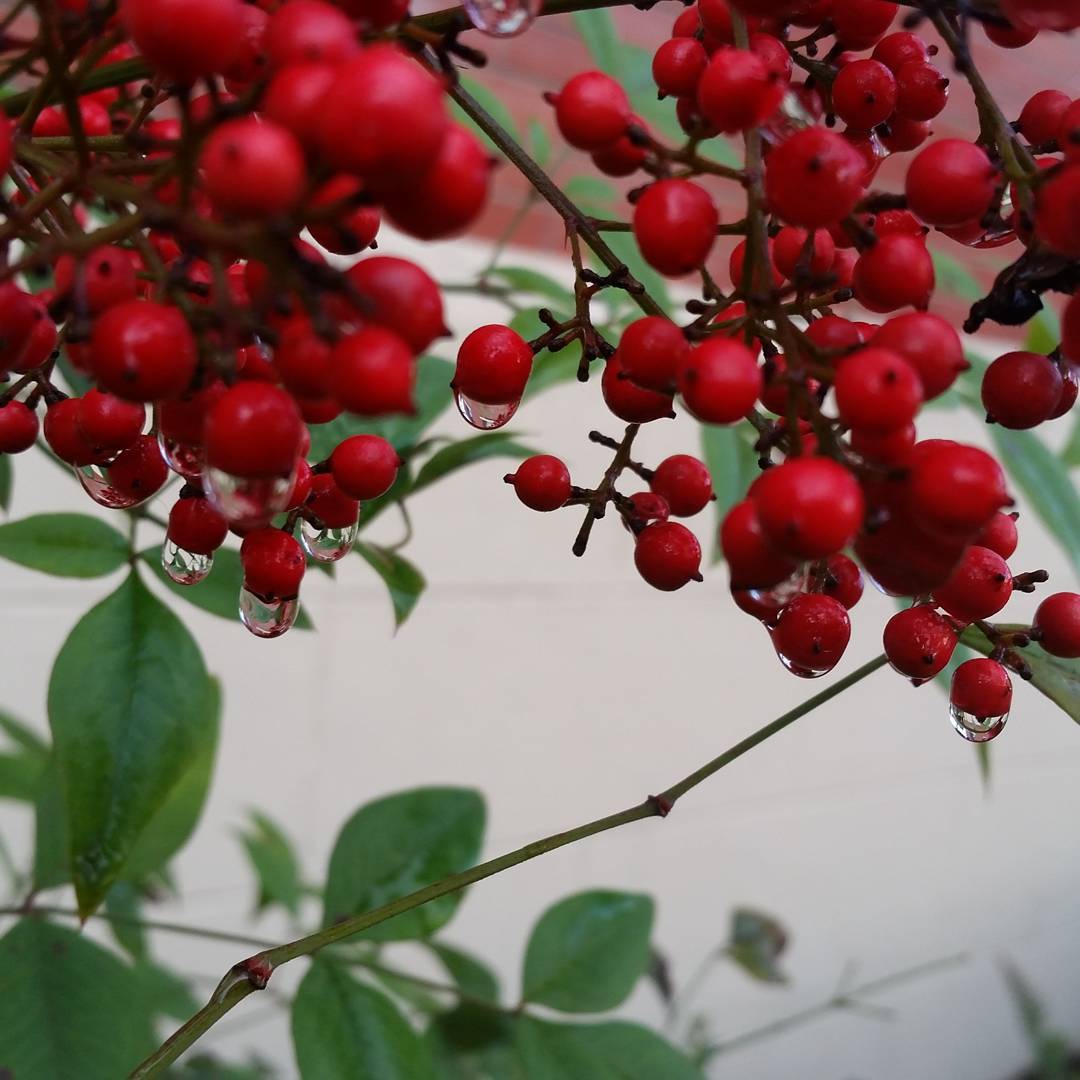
{"points": [[766, 604], [976, 728], [183, 566], [502, 18], [485, 417], [793, 115], [247, 500], [267, 618], [328, 545], [181, 457], [801, 670], [96, 484]]}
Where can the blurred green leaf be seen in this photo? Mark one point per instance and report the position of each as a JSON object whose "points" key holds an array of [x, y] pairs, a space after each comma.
{"points": [[6, 480], [492, 103], [587, 952], [471, 976], [77, 382], [539, 143], [167, 994], [122, 905], [21, 771], [597, 30], [457, 455], [1071, 452], [206, 1067], [66, 545], [403, 580], [952, 277], [595, 196], [274, 861], [757, 942], [732, 463], [524, 280], [625, 248], [1044, 332]]}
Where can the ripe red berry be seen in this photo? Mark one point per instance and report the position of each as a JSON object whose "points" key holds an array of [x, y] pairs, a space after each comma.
{"points": [[143, 351], [364, 466], [895, 272], [919, 641], [720, 380], [63, 434], [652, 350], [886, 448], [753, 563], [647, 506], [864, 94], [18, 427], [18, 315], [1042, 115], [667, 555], [812, 633], [196, 526], [293, 99], [684, 483], [186, 39], [859, 23], [901, 134], [955, 488], [1021, 389], [355, 227], [1057, 621], [493, 365], [105, 277], [675, 225], [930, 344], [628, 401], [834, 333], [140, 470], [999, 534], [737, 265], [738, 91], [332, 506], [542, 482], [1043, 14], [921, 91], [677, 66], [877, 390], [789, 247], [1057, 211], [808, 507], [895, 50], [307, 31], [978, 588], [950, 182], [1068, 132], [592, 110], [401, 296], [41, 343], [981, 688], [273, 564], [302, 360], [777, 59], [843, 580], [253, 430], [110, 423], [624, 156], [1010, 35], [813, 178], [373, 373]]}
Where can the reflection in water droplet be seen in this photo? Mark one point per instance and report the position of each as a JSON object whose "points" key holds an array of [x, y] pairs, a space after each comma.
{"points": [[267, 618], [181, 457], [247, 501], [792, 115], [183, 566], [485, 417], [976, 728], [768, 603], [328, 545], [96, 484], [502, 18]]}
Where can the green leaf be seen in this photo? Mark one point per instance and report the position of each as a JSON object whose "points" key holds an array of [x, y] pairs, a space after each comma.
{"points": [[403, 580], [345, 1030], [7, 476], [492, 103], [597, 30], [219, 592], [1058, 679], [21, 771], [69, 1010], [457, 455], [1043, 479], [432, 397], [205, 1067], [130, 712], [613, 1051], [1044, 332], [166, 993], [471, 976], [532, 282], [275, 864], [398, 844], [1071, 452], [757, 941], [77, 382], [596, 196], [732, 464], [625, 247], [539, 143], [52, 865], [586, 952], [22, 736], [122, 905], [67, 545], [952, 277]]}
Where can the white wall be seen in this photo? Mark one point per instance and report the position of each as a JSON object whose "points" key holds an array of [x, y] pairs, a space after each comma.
{"points": [[565, 689]]}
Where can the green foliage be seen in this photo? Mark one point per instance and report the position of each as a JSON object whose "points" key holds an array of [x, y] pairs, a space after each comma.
{"points": [[142, 716], [69, 1009], [22, 767], [6, 482], [729, 454], [66, 545], [953, 277], [346, 1030], [532, 283], [471, 976], [757, 941], [457, 455], [400, 843], [403, 580], [277, 870], [491, 103], [588, 951]]}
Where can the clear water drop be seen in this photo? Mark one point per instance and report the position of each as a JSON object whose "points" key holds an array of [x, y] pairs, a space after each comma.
{"points": [[793, 115], [328, 545], [247, 500], [96, 483], [976, 728], [768, 603], [267, 618], [181, 457], [183, 566], [502, 18], [485, 417]]}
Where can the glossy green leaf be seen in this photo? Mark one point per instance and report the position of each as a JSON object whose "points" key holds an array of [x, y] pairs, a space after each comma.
{"points": [[732, 464], [534, 283], [612, 1051], [586, 952], [130, 711], [69, 1009], [398, 844], [7, 476], [403, 580], [52, 864], [274, 861], [457, 455], [757, 942], [219, 592], [597, 30], [346, 1030], [471, 976], [67, 545], [432, 397], [952, 277], [1058, 679]]}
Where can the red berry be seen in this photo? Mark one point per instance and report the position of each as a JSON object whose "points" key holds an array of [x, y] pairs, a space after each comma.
{"points": [[332, 506], [675, 226], [753, 563], [364, 466], [999, 534], [895, 50], [930, 344], [955, 488], [737, 265], [648, 506], [808, 507], [41, 342], [978, 588], [541, 482], [887, 448], [677, 66], [373, 373], [110, 423], [592, 111], [105, 277], [738, 91], [401, 296], [253, 430], [1068, 132], [834, 333], [864, 93], [813, 178], [1010, 35], [64, 435], [902, 134], [628, 401], [623, 157], [302, 360], [18, 427], [140, 470], [843, 580], [720, 380], [788, 248], [895, 272], [812, 633], [921, 91], [143, 351], [1043, 14], [1057, 211], [652, 350], [1041, 117], [493, 365], [982, 688], [919, 641], [307, 31], [196, 526], [777, 59], [1057, 621], [877, 390], [356, 226], [273, 564], [950, 182], [684, 483], [293, 99], [186, 39], [859, 23], [667, 555], [1021, 389], [18, 316]]}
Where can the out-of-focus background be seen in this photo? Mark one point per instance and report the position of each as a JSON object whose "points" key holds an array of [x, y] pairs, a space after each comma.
{"points": [[565, 688]]}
